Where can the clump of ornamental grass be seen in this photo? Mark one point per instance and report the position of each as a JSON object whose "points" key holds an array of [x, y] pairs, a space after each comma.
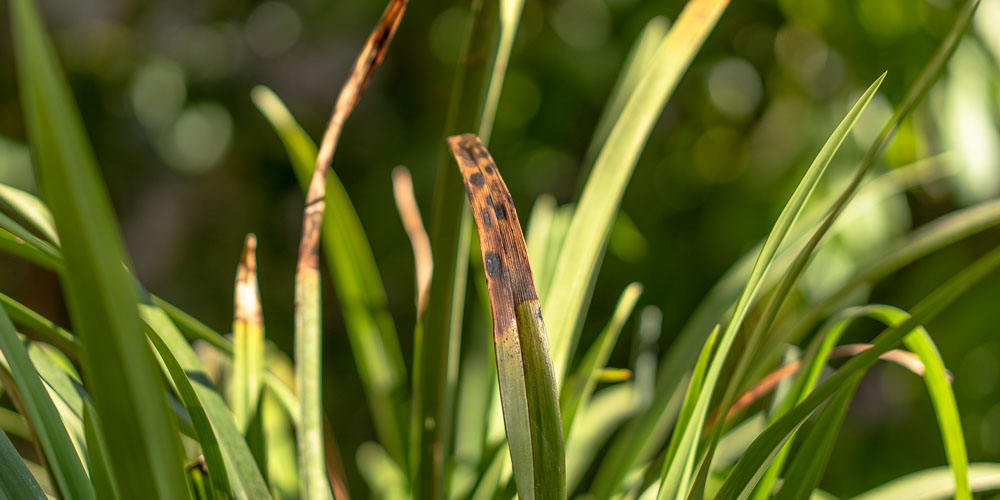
{"points": [[123, 406]]}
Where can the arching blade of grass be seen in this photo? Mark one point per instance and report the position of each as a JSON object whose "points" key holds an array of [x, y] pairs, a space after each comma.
{"points": [[31, 240], [578, 394], [751, 466], [248, 339], [579, 259], [308, 323], [217, 475], [32, 209], [524, 369], [16, 480], [806, 470], [356, 281], [65, 466], [244, 475], [931, 484], [143, 442]]}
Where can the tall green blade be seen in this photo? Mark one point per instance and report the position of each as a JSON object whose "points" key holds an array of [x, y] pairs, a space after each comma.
{"points": [[524, 369], [65, 467], [16, 481], [143, 442], [588, 230]]}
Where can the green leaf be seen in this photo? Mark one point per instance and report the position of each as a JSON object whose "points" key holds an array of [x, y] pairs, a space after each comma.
{"points": [[31, 209], [578, 394], [143, 441], [936, 483], [65, 466], [524, 369], [751, 466], [16, 480], [244, 476], [588, 230]]}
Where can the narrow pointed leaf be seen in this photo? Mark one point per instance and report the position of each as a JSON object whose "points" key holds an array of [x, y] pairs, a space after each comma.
{"points": [[524, 369]]}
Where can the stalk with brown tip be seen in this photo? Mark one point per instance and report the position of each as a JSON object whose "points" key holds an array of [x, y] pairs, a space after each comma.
{"points": [[308, 334]]}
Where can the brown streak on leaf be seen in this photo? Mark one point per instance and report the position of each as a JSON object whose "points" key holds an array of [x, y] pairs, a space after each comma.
{"points": [[409, 212]]}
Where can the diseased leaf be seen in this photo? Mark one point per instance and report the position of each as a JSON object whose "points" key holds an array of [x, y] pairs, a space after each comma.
{"points": [[524, 369]]}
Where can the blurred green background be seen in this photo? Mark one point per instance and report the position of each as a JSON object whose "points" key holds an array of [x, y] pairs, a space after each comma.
{"points": [[164, 87]]}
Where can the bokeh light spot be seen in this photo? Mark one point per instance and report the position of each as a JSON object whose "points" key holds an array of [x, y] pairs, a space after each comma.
{"points": [[272, 28], [158, 92], [200, 137], [734, 87]]}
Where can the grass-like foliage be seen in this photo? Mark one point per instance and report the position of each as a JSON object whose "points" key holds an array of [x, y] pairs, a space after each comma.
{"points": [[121, 405]]}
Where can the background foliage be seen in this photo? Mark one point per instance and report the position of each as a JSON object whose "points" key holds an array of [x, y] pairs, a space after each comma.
{"points": [[164, 88]]}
